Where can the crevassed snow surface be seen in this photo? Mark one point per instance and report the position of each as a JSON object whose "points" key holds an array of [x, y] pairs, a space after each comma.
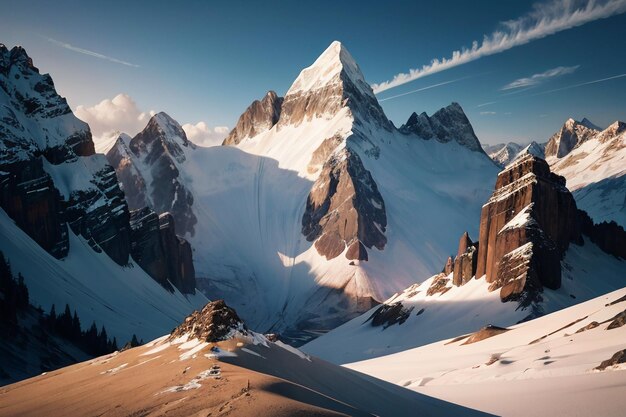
{"points": [[587, 272], [541, 367], [125, 299]]}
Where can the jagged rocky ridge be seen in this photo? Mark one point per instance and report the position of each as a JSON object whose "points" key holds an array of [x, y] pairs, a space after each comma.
{"points": [[50, 175], [259, 116], [215, 322], [147, 166], [447, 124], [571, 135]]}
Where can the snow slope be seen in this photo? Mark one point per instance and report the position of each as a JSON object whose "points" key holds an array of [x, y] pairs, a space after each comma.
{"points": [[239, 377], [125, 299], [541, 367], [249, 201], [596, 174], [587, 272]]}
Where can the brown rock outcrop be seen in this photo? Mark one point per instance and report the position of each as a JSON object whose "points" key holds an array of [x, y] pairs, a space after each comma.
{"points": [[449, 266], [439, 285], [465, 261], [345, 209], [215, 322], [525, 228], [571, 135], [260, 116], [618, 358]]}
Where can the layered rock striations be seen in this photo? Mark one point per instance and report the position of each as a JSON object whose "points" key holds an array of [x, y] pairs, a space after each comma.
{"points": [[345, 210], [50, 175], [165, 256], [51, 179], [525, 229]]}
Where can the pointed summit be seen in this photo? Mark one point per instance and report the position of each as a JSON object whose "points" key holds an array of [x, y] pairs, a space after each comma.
{"points": [[571, 135], [333, 82], [334, 61], [447, 124], [588, 123]]}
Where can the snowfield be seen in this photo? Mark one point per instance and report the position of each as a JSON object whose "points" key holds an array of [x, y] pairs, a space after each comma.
{"points": [[542, 367], [126, 299]]}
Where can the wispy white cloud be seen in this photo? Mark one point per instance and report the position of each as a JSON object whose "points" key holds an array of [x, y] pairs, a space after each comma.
{"points": [[543, 20], [487, 104], [539, 78], [204, 135], [601, 80], [419, 89], [487, 113], [90, 53]]}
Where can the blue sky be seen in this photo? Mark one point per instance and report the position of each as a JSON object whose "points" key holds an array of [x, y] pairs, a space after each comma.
{"points": [[206, 61]]}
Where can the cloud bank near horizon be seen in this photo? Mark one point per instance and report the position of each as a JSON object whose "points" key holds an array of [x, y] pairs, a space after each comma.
{"points": [[122, 114]]}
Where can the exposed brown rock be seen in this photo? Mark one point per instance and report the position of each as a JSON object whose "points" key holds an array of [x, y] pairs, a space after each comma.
{"points": [[321, 154], [260, 116], [465, 261], [485, 333], [618, 321], [571, 135], [522, 256], [345, 209], [28, 196], [215, 322], [449, 266], [439, 285], [590, 326], [618, 358]]}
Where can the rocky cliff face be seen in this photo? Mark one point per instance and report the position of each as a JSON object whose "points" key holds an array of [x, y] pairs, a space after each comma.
{"points": [[51, 178], [181, 271], [345, 210], [164, 256], [571, 135], [465, 262], [147, 166], [525, 228], [447, 124], [260, 116], [50, 174]]}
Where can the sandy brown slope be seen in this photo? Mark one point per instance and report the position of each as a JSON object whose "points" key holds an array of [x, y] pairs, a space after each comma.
{"points": [[143, 381], [101, 387]]}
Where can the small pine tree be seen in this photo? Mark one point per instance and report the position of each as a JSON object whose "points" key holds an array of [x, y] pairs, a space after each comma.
{"points": [[134, 342], [76, 330], [52, 318]]}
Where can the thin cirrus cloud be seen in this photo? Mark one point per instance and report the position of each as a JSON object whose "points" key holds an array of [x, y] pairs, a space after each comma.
{"points": [[543, 20], [539, 78], [90, 53]]}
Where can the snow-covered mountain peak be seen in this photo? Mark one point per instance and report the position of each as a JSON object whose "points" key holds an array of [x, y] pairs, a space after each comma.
{"points": [[334, 61], [170, 128]]}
